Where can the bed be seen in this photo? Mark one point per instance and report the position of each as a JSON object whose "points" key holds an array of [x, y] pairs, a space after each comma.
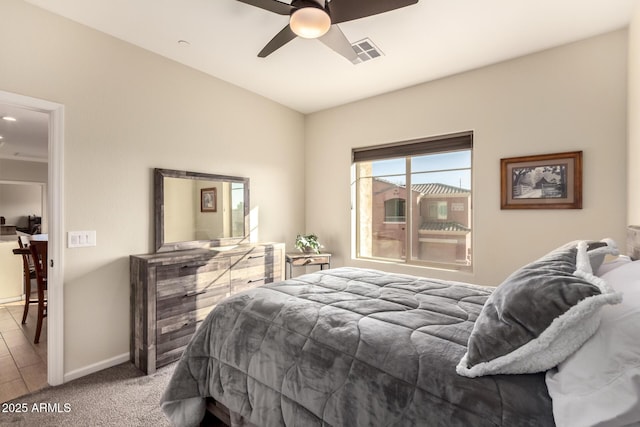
{"points": [[360, 347]]}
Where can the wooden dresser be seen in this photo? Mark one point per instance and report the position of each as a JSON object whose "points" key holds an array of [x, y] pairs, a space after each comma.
{"points": [[172, 292]]}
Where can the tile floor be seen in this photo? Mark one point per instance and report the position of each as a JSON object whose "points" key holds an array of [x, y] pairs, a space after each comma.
{"points": [[23, 364]]}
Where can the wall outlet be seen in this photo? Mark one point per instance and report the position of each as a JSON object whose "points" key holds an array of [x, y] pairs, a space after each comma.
{"points": [[81, 239]]}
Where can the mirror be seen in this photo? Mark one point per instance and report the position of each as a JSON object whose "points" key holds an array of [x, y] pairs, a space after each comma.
{"points": [[195, 210]]}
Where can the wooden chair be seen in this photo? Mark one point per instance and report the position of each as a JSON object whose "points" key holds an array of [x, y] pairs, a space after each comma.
{"points": [[39, 254], [29, 274]]}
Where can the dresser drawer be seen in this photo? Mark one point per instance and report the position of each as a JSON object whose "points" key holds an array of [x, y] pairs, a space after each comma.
{"points": [[182, 279], [178, 318], [310, 260], [255, 268], [189, 301], [174, 333]]}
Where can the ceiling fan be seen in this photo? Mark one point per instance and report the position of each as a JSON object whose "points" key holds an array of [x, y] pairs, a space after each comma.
{"points": [[319, 18]]}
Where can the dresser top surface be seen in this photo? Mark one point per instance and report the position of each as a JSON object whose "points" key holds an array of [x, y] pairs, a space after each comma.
{"points": [[205, 253]]}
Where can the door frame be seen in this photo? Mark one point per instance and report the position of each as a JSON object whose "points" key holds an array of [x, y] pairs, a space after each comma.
{"points": [[55, 207]]}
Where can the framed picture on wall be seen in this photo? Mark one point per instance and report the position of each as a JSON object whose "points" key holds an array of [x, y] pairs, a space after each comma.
{"points": [[208, 199], [547, 181]]}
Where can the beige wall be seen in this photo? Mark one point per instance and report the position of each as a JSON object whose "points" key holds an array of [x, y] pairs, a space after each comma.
{"points": [[564, 99], [179, 209], [18, 201], [128, 111], [30, 173], [11, 276], [633, 114], [13, 170]]}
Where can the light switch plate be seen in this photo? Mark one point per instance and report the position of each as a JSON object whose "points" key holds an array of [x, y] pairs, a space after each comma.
{"points": [[81, 239]]}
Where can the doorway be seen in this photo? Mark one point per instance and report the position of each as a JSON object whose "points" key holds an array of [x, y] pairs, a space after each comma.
{"points": [[55, 291]]}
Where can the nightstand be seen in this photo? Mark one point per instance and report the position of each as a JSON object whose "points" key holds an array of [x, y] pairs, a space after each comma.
{"points": [[300, 259]]}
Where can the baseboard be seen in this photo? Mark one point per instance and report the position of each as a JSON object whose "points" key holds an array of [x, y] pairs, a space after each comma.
{"points": [[8, 300], [104, 364]]}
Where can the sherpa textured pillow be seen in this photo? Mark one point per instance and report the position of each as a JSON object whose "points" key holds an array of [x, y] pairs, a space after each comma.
{"points": [[541, 314]]}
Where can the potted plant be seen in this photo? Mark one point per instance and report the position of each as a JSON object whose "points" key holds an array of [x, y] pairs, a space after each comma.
{"points": [[308, 243]]}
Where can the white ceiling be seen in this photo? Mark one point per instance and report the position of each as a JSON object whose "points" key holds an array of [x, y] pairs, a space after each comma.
{"points": [[425, 41], [422, 42]]}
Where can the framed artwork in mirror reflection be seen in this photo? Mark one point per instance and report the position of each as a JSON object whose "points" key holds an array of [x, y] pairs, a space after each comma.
{"points": [[208, 199]]}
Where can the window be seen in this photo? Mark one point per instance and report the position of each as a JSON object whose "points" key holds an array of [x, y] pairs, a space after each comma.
{"points": [[438, 210], [413, 201], [394, 210]]}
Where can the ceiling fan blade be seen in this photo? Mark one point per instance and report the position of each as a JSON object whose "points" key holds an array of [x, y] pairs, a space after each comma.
{"points": [[271, 5], [336, 40], [348, 10], [280, 39]]}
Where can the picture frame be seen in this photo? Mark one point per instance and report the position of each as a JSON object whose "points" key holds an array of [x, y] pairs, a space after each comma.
{"points": [[546, 181], [209, 199]]}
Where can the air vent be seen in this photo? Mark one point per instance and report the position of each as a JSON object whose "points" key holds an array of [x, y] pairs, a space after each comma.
{"points": [[366, 50]]}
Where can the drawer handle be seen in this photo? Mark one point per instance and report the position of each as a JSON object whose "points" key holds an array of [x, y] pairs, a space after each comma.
{"points": [[194, 293], [256, 256], [192, 265], [257, 280]]}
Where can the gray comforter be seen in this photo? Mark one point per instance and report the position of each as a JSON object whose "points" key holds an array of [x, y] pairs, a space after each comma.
{"points": [[349, 347]]}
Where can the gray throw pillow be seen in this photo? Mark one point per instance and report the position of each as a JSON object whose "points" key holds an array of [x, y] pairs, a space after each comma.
{"points": [[540, 314]]}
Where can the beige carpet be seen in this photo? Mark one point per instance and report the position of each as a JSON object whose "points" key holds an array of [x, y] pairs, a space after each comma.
{"points": [[118, 396]]}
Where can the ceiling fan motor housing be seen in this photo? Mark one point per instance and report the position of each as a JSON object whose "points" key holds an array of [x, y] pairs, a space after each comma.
{"points": [[301, 4], [309, 19]]}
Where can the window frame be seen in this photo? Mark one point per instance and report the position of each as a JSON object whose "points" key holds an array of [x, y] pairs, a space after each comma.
{"points": [[462, 141]]}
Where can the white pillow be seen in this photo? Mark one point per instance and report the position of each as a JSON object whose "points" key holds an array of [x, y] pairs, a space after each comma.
{"points": [[599, 384], [609, 265]]}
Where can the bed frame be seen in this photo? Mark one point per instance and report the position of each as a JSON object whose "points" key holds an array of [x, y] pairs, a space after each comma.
{"points": [[219, 415]]}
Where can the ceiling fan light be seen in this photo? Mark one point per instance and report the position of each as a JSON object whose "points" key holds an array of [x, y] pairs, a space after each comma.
{"points": [[310, 22]]}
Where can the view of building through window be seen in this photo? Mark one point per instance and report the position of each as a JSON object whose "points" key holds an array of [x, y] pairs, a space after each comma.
{"points": [[415, 208]]}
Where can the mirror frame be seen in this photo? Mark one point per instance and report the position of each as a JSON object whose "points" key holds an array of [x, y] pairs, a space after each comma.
{"points": [[158, 184]]}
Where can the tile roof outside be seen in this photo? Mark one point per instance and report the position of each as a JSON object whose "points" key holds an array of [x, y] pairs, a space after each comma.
{"points": [[435, 188]]}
